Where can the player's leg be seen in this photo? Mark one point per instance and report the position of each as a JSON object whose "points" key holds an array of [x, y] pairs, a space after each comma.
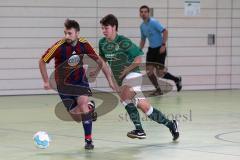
{"points": [[158, 117], [126, 96], [167, 75], [132, 92], [177, 80], [141, 102], [150, 70], [70, 103], [134, 81], [83, 107], [75, 112], [78, 108]]}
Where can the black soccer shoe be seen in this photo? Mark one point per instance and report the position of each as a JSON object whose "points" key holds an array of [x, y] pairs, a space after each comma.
{"points": [[179, 84], [174, 130], [140, 134], [88, 144], [157, 92]]}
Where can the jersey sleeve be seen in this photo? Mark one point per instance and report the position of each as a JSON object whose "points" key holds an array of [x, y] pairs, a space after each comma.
{"points": [[158, 26], [51, 52], [90, 51]]}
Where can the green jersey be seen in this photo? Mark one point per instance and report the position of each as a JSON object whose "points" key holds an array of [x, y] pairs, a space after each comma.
{"points": [[119, 53]]}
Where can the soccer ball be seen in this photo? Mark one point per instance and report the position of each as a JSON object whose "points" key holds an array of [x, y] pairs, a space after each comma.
{"points": [[41, 139]]}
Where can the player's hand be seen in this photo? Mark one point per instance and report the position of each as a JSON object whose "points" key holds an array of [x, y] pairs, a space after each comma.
{"points": [[162, 49], [123, 74], [114, 88], [46, 86]]}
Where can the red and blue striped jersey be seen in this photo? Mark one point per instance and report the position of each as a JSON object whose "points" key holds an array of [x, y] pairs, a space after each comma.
{"points": [[61, 52]]}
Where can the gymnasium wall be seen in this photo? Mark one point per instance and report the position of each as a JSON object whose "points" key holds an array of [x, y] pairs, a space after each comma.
{"points": [[29, 27]]}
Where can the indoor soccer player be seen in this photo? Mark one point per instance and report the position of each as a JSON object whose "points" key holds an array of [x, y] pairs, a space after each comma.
{"points": [[124, 58], [157, 36], [70, 76]]}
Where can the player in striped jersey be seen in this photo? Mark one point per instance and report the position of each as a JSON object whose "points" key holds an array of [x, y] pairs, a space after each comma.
{"points": [[70, 75]]}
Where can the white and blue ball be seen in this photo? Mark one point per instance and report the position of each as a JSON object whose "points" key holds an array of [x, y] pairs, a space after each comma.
{"points": [[41, 139]]}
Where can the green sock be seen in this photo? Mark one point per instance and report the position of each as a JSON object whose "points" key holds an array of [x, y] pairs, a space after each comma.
{"points": [[159, 117], [134, 115]]}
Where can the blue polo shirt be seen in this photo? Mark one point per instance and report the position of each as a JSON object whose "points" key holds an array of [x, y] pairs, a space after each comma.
{"points": [[152, 30]]}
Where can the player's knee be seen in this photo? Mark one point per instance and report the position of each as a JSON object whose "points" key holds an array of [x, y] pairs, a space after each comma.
{"points": [[143, 105], [150, 73], [127, 93], [82, 101], [76, 116], [160, 73]]}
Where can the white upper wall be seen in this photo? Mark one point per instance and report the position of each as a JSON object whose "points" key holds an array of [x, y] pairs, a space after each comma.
{"points": [[29, 27]]}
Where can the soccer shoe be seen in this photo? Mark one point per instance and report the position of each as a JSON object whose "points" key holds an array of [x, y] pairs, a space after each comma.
{"points": [[88, 144], [179, 84], [91, 106], [157, 92], [174, 130], [140, 134]]}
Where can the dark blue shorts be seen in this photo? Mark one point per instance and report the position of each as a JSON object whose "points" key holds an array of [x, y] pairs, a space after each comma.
{"points": [[70, 93]]}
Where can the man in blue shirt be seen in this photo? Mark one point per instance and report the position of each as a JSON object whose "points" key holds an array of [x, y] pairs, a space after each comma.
{"points": [[157, 36]]}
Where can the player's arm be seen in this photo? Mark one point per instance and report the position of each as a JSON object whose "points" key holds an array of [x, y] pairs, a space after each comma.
{"points": [[142, 43], [162, 30], [136, 53], [165, 36], [96, 71], [43, 70], [143, 40], [101, 65], [107, 72], [46, 58], [137, 61]]}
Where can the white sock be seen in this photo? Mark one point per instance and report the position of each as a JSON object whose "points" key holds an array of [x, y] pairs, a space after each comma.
{"points": [[150, 110], [126, 102]]}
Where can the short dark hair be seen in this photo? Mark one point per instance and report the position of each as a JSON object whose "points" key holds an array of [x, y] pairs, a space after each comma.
{"points": [[144, 6], [72, 24], [111, 20]]}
